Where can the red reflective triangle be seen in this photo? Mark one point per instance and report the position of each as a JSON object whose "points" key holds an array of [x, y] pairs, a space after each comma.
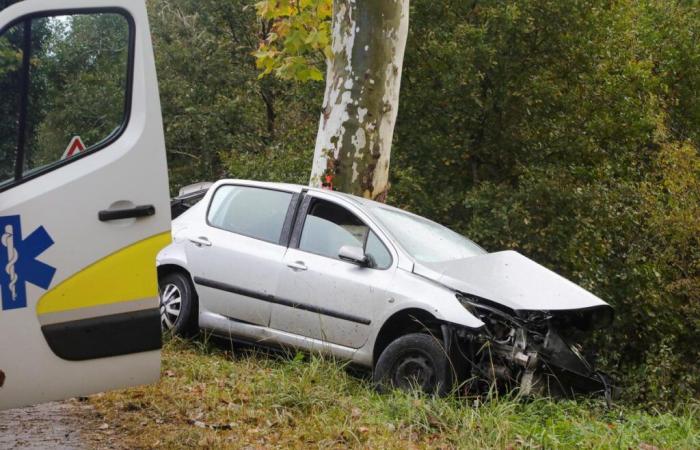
{"points": [[76, 146]]}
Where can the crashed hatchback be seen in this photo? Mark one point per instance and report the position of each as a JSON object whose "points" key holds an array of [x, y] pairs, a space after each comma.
{"points": [[420, 305]]}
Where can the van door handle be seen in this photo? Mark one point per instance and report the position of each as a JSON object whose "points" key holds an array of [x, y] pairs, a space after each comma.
{"points": [[201, 241], [297, 265], [115, 214]]}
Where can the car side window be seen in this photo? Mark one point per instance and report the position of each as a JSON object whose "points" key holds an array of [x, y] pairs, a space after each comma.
{"points": [[254, 212], [329, 226], [65, 81]]}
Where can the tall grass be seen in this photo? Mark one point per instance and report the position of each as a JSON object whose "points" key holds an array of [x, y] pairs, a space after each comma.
{"points": [[213, 396]]}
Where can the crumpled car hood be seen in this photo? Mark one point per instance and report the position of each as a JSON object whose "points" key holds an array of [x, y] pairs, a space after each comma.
{"points": [[512, 280]]}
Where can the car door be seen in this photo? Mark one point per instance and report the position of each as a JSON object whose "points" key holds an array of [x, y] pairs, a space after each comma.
{"points": [[322, 297], [83, 199], [236, 252]]}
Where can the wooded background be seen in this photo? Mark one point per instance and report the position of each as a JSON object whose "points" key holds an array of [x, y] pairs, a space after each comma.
{"points": [[566, 130]]}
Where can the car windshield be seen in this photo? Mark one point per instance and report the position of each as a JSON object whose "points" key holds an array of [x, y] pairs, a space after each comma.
{"points": [[425, 240]]}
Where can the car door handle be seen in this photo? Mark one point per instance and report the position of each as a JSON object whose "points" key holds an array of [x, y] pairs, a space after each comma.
{"points": [[201, 241], [115, 214], [297, 265]]}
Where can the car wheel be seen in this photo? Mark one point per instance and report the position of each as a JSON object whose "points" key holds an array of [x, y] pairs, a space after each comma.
{"points": [[414, 361], [178, 306]]}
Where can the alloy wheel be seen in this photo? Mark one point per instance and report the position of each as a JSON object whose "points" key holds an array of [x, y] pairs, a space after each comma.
{"points": [[170, 306]]}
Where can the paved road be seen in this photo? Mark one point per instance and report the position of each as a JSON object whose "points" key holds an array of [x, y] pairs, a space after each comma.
{"points": [[53, 425]]}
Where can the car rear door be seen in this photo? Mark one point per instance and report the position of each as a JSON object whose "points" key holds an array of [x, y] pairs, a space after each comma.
{"points": [[235, 253], [83, 199]]}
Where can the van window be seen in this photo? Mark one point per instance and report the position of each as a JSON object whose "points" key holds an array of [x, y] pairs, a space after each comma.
{"points": [[65, 83], [10, 72]]}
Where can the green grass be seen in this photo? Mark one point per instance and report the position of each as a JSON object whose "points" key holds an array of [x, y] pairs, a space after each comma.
{"points": [[212, 397]]}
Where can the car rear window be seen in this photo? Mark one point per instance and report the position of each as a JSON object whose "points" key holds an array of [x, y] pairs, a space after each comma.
{"points": [[249, 211]]}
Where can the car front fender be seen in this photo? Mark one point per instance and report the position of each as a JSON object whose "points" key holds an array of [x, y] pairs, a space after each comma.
{"points": [[413, 291]]}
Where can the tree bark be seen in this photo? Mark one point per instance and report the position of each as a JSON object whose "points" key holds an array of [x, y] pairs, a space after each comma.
{"points": [[363, 79]]}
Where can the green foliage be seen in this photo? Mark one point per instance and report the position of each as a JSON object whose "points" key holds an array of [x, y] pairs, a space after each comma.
{"points": [[219, 118], [298, 42], [568, 131], [10, 65], [78, 78]]}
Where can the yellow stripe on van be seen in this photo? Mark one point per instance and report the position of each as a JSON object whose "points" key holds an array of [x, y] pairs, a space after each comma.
{"points": [[126, 275]]}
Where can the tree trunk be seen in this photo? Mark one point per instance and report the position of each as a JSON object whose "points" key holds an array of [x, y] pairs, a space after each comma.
{"points": [[361, 100]]}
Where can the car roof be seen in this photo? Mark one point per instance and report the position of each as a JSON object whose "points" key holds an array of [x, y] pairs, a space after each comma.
{"points": [[263, 184], [297, 188], [290, 187]]}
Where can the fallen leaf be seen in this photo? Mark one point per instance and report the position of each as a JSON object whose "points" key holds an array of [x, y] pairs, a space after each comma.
{"points": [[198, 424], [104, 426], [645, 446]]}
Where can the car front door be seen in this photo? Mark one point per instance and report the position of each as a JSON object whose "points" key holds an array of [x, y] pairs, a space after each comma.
{"points": [[325, 298], [83, 199], [235, 255]]}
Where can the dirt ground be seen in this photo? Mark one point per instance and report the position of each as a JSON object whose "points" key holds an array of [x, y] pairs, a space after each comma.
{"points": [[69, 425]]}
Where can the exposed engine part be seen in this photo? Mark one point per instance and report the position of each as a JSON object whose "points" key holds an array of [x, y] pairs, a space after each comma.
{"points": [[526, 350]]}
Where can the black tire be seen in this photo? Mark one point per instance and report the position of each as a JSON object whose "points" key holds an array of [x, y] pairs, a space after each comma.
{"points": [[414, 361], [186, 322]]}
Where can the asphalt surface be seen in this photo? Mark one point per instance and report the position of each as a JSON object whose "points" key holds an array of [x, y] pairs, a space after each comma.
{"points": [[54, 425]]}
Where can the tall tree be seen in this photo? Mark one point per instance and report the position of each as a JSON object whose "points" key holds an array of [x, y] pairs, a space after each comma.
{"points": [[363, 78]]}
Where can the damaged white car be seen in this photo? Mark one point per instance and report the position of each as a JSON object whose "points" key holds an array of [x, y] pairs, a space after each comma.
{"points": [[420, 305]]}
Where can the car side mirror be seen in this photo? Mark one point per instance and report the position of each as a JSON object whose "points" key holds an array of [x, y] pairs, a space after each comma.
{"points": [[353, 255]]}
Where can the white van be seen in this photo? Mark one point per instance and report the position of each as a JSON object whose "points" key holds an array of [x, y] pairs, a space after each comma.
{"points": [[84, 202]]}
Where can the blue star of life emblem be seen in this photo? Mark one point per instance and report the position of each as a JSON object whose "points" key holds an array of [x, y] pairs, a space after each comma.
{"points": [[18, 263]]}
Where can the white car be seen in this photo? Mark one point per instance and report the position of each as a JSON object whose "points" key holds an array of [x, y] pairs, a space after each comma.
{"points": [[291, 266]]}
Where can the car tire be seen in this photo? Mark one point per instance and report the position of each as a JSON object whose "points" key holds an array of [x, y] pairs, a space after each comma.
{"points": [[178, 305], [414, 361]]}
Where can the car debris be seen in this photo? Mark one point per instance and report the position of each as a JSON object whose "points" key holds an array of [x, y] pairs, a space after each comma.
{"points": [[533, 351]]}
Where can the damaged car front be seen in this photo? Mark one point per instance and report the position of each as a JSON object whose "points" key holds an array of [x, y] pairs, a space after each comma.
{"points": [[535, 322], [539, 352]]}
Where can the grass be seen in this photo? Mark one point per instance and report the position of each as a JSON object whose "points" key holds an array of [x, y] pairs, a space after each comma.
{"points": [[214, 397]]}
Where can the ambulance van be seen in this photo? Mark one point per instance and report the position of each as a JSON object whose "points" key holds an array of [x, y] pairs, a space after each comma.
{"points": [[84, 204]]}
